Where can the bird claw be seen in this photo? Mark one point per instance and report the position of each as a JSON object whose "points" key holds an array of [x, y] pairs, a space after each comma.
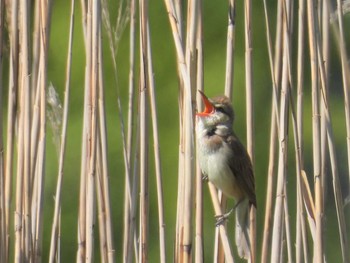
{"points": [[220, 220], [205, 178]]}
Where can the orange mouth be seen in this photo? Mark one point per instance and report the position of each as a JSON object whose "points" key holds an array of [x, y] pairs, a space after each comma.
{"points": [[209, 108]]}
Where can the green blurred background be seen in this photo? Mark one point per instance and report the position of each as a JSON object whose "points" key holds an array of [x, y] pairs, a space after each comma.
{"points": [[165, 74]]}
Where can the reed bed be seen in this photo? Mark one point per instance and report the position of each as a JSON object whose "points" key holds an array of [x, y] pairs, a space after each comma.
{"points": [[124, 210]]}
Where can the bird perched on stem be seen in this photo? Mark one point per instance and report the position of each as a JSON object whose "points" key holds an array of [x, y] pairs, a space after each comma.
{"points": [[226, 163]]}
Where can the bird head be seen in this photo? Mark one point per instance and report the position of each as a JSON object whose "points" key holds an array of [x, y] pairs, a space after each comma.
{"points": [[217, 111]]}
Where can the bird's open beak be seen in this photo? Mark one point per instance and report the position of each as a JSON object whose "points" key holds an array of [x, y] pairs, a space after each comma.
{"points": [[209, 108]]}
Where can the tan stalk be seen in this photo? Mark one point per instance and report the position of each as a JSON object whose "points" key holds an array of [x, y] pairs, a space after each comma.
{"points": [[318, 242], [93, 112], [85, 137], [250, 111], [82, 192], [274, 129], [156, 152], [222, 228], [330, 138], [107, 219], [113, 39], [177, 6], [230, 48], [143, 113], [345, 72], [128, 228], [189, 96], [229, 76], [100, 202], [45, 18], [3, 231], [301, 234], [55, 221], [11, 117], [186, 126], [199, 253], [26, 103], [281, 176], [324, 31]]}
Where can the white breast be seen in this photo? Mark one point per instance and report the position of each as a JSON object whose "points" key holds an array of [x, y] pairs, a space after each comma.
{"points": [[215, 164]]}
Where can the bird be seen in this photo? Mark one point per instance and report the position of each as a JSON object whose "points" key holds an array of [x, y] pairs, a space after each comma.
{"points": [[225, 162]]}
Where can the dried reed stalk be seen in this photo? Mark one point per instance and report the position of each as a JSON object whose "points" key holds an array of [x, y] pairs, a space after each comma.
{"points": [[318, 241], [339, 33], [250, 112], [3, 231], [11, 116], [302, 253], [129, 227], [281, 195], [199, 253], [143, 113], [55, 221], [183, 225], [229, 77], [273, 135]]}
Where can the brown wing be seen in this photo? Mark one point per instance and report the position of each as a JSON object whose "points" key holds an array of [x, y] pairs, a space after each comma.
{"points": [[241, 166]]}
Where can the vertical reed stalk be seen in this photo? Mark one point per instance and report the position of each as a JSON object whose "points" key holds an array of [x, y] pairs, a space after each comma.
{"points": [[250, 111], [345, 73], [128, 227], [55, 221], [283, 140], [11, 117], [230, 48], [3, 231], [318, 242], [156, 152], [273, 135], [301, 234], [199, 253], [143, 113]]}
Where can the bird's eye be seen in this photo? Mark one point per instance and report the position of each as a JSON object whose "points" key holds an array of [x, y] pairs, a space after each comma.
{"points": [[220, 109]]}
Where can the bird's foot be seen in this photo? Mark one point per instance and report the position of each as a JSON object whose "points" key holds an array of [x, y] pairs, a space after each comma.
{"points": [[221, 219], [205, 178]]}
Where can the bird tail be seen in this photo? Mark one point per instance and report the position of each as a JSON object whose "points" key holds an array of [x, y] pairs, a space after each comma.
{"points": [[242, 229]]}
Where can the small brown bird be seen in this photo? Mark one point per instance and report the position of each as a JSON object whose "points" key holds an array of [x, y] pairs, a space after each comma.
{"points": [[226, 163]]}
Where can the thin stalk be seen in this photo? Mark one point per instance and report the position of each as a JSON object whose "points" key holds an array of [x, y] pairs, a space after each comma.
{"points": [[283, 140], [3, 231], [189, 96], [330, 139], [274, 129], [85, 137], [223, 234], [250, 111], [143, 112], [345, 73], [93, 112], [199, 253], [301, 240], [57, 209], [45, 18], [229, 76], [318, 242], [156, 151], [230, 48], [11, 117], [127, 239], [26, 103], [186, 129], [108, 249]]}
